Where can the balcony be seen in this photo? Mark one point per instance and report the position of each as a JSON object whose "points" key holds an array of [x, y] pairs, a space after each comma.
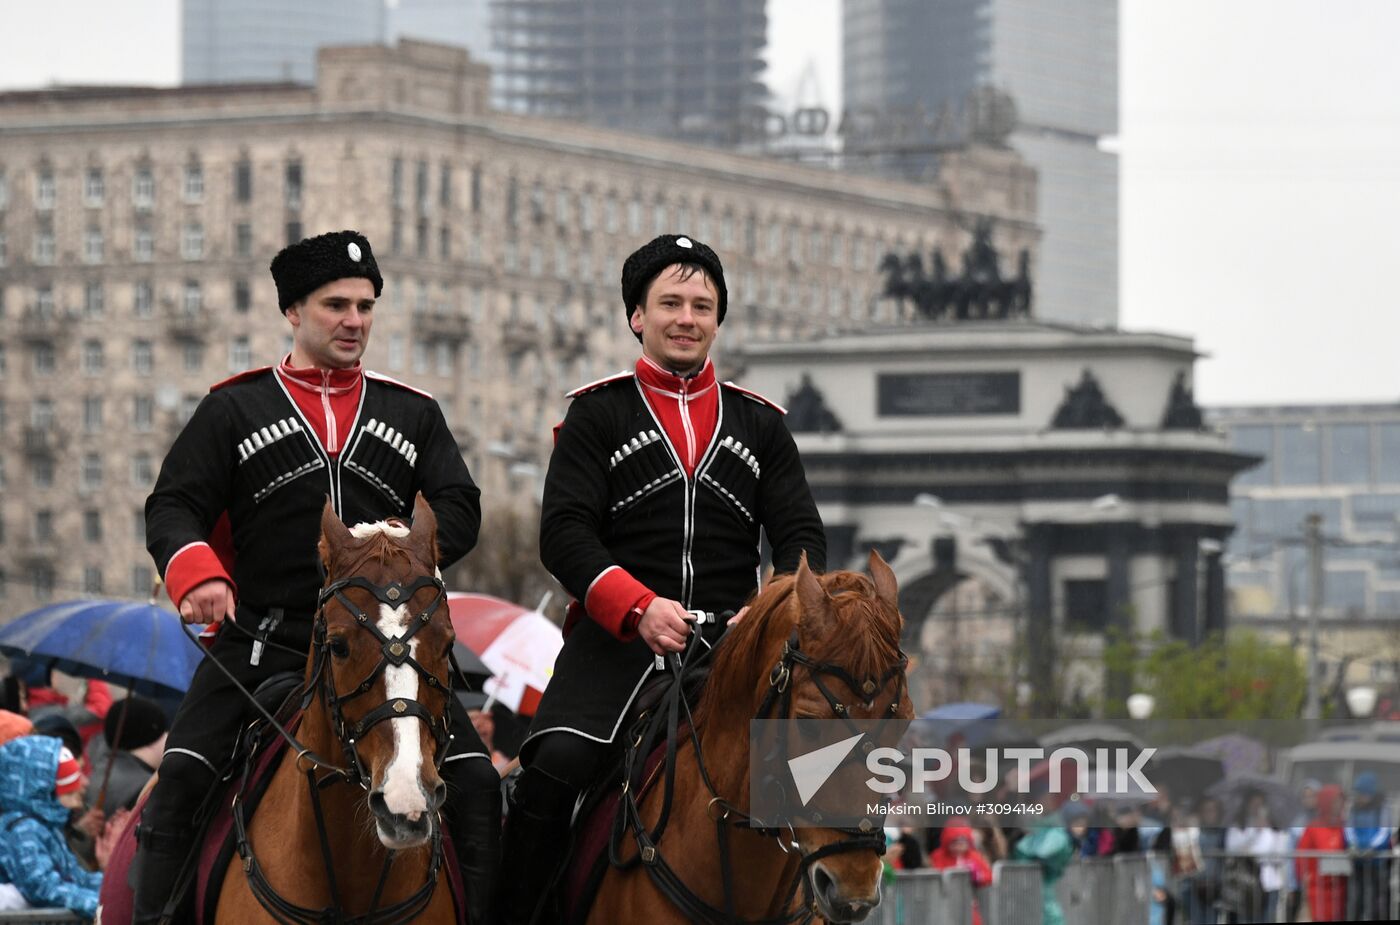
{"points": [[37, 324], [187, 324], [43, 441], [569, 339], [521, 336], [451, 327]]}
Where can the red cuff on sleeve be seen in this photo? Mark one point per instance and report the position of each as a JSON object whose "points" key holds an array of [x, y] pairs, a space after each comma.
{"points": [[191, 566], [611, 596]]}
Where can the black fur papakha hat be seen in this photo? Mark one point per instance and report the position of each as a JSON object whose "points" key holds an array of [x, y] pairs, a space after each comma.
{"points": [[301, 268], [656, 255]]}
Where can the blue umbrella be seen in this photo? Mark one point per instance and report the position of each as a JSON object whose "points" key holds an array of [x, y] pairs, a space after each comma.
{"points": [[140, 646], [964, 712]]}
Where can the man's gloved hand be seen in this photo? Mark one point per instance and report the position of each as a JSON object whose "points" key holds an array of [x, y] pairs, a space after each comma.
{"points": [[208, 602], [664, 626]]}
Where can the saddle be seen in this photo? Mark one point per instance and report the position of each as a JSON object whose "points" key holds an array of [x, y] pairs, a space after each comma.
{"points": [[596, 823], [257, 755]]}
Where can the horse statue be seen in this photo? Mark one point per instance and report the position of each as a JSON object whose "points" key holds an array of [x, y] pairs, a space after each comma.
{"points": [[811, 646], [347, 829]]}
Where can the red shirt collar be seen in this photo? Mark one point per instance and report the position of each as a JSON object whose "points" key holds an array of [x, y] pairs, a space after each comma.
{"points": [[663, 380], [333, 380]]}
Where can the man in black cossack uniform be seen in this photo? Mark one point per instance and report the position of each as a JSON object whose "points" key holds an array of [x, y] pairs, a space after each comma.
{"points": [[233, 525], [660, 482]]}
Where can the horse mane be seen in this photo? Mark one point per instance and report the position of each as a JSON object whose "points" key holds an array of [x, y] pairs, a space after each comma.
{"points": [[864, 638]]}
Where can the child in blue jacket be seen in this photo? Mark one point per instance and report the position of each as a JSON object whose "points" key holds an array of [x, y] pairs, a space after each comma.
{"points": [[40, 782]]}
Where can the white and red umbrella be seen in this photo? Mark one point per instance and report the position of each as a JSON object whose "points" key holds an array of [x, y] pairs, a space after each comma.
{"points": [[518, 644]]}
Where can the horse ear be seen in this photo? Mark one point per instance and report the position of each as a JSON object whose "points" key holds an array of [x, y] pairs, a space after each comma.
{"points": [[334, 535], [422, 538], [886, 587], [815, 602]]}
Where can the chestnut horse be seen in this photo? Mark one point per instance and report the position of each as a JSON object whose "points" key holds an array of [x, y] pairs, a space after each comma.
{"points": [[805, 642], [348, 828]]}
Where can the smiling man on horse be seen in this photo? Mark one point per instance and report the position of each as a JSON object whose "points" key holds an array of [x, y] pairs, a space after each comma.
{"points": [[255, 465], [660, 481]]}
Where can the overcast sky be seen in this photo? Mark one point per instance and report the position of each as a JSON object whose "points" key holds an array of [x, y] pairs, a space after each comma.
{"points": [[1260, 167]]}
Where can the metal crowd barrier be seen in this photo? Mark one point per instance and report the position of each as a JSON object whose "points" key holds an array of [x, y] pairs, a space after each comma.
{"points": [[923, 897], [1352, 887], [1015, 897]]}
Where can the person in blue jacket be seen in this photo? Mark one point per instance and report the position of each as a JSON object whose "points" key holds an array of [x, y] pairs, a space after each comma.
{"points": [[40, 784], [1369, 836]]}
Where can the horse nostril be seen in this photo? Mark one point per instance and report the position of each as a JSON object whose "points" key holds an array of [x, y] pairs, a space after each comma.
{"points": [[821, 880], [439, 796], [377, 804]]}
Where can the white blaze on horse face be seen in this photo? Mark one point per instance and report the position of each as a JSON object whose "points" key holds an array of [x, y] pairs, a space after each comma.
{"points": [[403, 788]]}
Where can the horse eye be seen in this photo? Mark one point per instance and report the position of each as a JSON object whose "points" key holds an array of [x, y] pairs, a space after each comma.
{"points": [[338, 646]]}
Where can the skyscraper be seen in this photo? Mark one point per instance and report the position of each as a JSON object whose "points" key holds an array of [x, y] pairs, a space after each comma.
{"points": [[225, 41], [1058, 60], [687, 69], [465, 23]]}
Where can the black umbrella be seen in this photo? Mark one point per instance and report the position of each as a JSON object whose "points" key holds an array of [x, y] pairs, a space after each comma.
{"points": [[1186, 774], [1234, 792]]}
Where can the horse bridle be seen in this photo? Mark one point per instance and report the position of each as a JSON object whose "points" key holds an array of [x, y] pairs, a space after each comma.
{"points": [[866, 837], [395, 651]]}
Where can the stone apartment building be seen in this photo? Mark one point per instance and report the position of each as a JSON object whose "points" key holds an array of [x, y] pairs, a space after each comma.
{"points": [[136, 226]]}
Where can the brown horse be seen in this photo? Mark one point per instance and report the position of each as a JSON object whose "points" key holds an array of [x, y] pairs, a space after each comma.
{"points": [[378, 670], [843, 621]]}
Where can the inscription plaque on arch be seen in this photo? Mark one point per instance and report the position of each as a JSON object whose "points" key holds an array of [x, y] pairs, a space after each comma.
{"points": [[948, 394]]}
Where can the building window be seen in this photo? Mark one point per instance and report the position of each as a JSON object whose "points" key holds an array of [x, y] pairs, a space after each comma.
{"points": [[193, 302], [1300, 454], [240, 354], [420, 186], [396, 183], [92, 414], [138, 524], [475, 190], [242, 295], [92, 245], [142, 357], [142, 299], [92, 579], [43, 525], [445, 243], [143, 413], [194, 183], [422, 239], [1086, 605], [94, 189], [243, 239], [192, 356], [92, 526], [43, 472], [92, 357], [41, 414], [4, 191], [142, 476], [243, 181], [141, 583], [188, 405], [94, 301], [1258, 441], [4, 359], [192, 242], [91, 472], [395, 352], [1349, 454], [4, 251], [443, 358], [44, 247], [45, 190], [143, 247], [143, 188], [512, 201], [45, 358], [420, 357], [293, 185], [41, 580], [293, 232]]}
